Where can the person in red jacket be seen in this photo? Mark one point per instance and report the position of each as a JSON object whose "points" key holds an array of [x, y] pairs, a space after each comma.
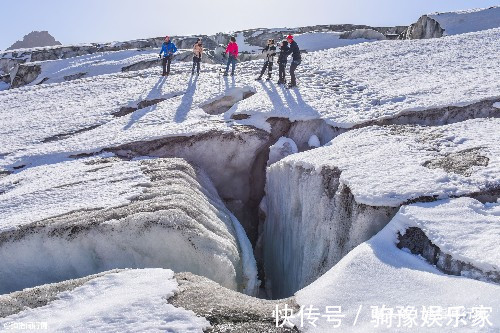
{"points": [[232, 50]]}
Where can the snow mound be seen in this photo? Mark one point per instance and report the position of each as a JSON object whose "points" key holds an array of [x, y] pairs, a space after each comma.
{"points": [[126, 301], [77, 218], [395, 164], [316, 41], [472, 20], [377, 273], [314, 142], [364, 34], [73, 124], [281, 149]]}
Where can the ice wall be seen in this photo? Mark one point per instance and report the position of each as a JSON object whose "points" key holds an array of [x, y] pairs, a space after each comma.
{"points": [[78, 218], [312, 222]]}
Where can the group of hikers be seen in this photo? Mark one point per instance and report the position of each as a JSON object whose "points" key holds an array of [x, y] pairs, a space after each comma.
{"points": [[287, 47]]}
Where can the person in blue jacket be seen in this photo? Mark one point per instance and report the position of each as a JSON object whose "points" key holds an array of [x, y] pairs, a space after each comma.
{"points": [[168, 49]]}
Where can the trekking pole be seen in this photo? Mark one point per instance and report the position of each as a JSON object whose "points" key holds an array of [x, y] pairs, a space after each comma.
{"points": [[220, 71]]}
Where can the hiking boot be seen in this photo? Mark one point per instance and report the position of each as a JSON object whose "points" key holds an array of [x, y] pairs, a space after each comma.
{"points": [[225, 74], [291, 85], [258, 79]]}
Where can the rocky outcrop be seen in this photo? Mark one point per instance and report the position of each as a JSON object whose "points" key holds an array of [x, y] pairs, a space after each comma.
{"points": [[25, 74], [74, 76], [415, 240], [35, 39], [363, 33], [141, 65], [5, 78], [426, 27]]}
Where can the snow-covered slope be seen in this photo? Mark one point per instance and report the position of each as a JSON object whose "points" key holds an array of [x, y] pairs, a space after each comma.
{"points": [[69, 116], [343, 193], [345, 87], [126, 301], [77, 218], [357, 84], [377, 274], [465, 21]]}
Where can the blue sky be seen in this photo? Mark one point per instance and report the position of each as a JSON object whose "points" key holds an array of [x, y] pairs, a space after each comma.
{"points": [[73, 21]]}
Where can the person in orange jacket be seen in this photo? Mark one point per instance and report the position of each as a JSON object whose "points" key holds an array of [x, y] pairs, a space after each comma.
{"points": [[232, 51]]}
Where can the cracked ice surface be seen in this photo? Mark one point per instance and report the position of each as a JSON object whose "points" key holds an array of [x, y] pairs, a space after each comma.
{"points": [[385, 166]]}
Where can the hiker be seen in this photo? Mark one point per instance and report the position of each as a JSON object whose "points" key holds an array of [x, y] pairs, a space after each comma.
{"points": [[296, 59], [232, 50], [197, 53], [282, 60], [168, 49], [270, 52]]}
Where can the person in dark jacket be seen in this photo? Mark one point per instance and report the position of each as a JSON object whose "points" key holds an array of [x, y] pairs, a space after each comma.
{"points": [[282, 60], [167, 49], [296, 59], [270, 52]]}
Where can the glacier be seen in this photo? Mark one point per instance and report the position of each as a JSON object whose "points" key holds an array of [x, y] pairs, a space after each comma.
{"points": [[379, 170]]}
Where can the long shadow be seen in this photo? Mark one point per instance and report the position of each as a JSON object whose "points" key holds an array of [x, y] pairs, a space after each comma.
{"points": [[273, 96], [226, 82], [298, 105], [155, 92], [157, 89], [187, 100]]}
